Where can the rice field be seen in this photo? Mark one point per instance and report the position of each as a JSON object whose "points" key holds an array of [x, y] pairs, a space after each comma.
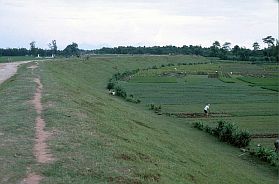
{"points": [[240, 93]]}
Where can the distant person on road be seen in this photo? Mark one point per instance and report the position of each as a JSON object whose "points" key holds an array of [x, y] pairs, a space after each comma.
{"points": [[206, 110]]}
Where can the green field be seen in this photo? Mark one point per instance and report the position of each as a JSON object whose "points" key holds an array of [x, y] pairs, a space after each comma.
{"points": [[8, 59], [232, 98], [100, 138]]}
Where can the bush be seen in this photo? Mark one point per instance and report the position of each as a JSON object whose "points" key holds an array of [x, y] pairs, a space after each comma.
{"points": [[110, 85], [198, 125], [242, 138], [132, 99], [156, 108], [151, 106], [119, 91], [267, 155], [208, 129], [227, 132]]}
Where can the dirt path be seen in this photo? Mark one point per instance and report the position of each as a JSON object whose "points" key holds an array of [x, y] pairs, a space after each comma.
{"points": [[7, 70], [40, 149]]}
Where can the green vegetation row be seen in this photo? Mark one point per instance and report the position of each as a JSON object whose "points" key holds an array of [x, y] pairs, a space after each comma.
{"points": [[230, 133], [227, 132], [114, 86]]}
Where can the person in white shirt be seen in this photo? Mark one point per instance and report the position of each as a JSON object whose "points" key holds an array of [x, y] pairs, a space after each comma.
{"points": [[206, 109]]}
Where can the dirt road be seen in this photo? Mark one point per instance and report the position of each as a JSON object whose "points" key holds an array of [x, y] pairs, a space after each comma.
{"points": [[9, 69]]}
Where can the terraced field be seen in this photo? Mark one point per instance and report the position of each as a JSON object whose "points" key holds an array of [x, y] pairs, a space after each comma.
{"points": [[242, 93]]}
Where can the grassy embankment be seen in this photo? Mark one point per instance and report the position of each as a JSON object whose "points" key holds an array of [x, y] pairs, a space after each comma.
{"points": [[17, 120], [98, 138]]}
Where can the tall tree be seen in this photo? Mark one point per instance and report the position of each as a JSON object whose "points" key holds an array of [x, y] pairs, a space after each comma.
{"points": [[236, 50], [269, 40], [33, 49], [53, 47], [216, 44], [71, 50], [256, 46], [215, 49], [226, 46]]}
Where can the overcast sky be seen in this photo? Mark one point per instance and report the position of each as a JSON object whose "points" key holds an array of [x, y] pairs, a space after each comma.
{"points": [[98, 23]]}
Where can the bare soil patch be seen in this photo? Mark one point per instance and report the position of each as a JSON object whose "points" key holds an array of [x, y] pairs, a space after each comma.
{"points": [[254, 136], [41, 150], [32, 178], [197, 115]]}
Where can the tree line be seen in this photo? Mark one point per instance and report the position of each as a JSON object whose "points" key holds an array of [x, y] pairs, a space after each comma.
{"points": [[223, 51], [70, 50]]}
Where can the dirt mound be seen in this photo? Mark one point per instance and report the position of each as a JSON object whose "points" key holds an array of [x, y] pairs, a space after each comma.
{"points": [[254, 136], [197, 115]]}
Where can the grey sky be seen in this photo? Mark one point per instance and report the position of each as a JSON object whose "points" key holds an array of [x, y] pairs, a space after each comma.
{"points": [[97, 23]]}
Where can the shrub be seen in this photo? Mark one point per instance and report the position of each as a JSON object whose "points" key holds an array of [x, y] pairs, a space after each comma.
{"points": [[156, 108], [227, 132], [218, 129], [267, 155], [132, 99], [110, 85], [242, 138], [198, 125], [208, 129], [119, 91], [151, 106]]}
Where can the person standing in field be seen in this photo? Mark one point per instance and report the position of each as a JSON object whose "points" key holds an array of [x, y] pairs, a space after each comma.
{"points": [[206, 110]]}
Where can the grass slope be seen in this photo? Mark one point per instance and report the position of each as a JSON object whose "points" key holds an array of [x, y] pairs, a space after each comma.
{"points": [[17, 119], [99, 138]]}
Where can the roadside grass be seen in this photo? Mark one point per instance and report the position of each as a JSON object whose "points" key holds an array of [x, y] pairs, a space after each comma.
{"points": [[102, 139], [7, 59], [17, 119]]}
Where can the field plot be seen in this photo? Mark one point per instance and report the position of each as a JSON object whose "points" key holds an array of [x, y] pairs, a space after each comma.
{"points": [[238, 93]]}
